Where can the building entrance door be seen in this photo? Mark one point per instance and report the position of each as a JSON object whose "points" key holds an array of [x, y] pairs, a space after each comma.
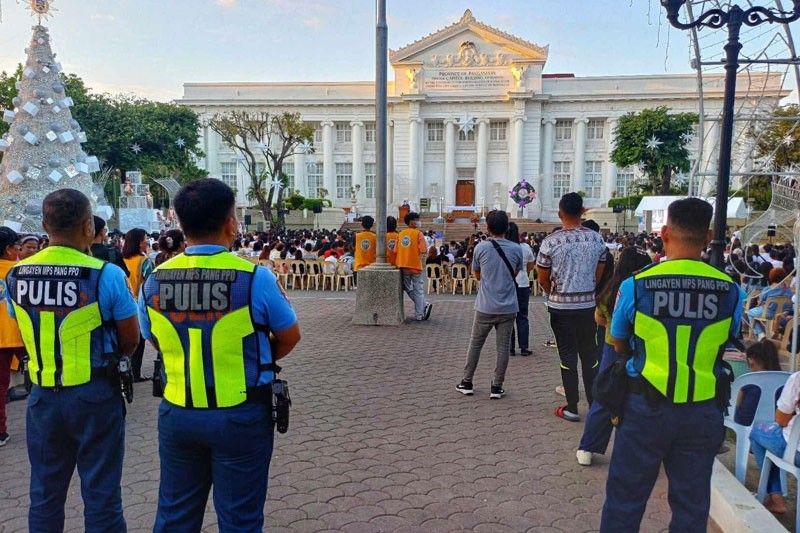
{"points": [[465, 192]]}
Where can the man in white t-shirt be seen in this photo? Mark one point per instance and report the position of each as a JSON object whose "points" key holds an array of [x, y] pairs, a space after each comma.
{"points": [[772, 436]]}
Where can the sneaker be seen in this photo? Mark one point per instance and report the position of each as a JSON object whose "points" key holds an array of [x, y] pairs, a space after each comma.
{"points": [[512, 353], [497, 392], [428, 308], [3, 439], [563, 412], [584, 458], [525, 353], [550, 344], [465, 388]]}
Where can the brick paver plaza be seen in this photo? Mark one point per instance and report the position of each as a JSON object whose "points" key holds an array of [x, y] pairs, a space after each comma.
{"points": [[381, 441]]}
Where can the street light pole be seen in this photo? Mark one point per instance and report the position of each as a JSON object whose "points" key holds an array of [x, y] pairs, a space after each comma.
{"points": [[381, 127], [734, 18]]}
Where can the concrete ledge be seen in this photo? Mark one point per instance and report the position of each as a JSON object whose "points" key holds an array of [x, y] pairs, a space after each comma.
{"points": [[379, 298], [734, 509]]}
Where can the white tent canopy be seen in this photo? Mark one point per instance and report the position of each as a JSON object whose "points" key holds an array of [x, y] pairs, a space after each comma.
{"points": [[737, 208]]}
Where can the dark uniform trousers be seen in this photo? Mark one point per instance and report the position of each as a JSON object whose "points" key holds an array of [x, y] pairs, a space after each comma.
{"points": [[686, 438], [79, 426], [232, 447]]}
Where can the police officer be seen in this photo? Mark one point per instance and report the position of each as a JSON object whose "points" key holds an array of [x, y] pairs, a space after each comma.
{"points": [[76, 316], [676, 316], [221, 323]]}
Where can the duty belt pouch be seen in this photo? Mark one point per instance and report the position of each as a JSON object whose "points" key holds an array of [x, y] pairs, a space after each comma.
{"points": [[611, 388], [281, 402]]}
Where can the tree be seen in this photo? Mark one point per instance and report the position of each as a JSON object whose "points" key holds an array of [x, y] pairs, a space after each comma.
{"points": [[263, 137], [655, 141], [777, 146]]}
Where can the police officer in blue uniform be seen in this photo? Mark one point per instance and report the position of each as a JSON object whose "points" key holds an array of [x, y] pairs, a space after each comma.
{"points": [[221, 323], [77, 318], [674, 319]]}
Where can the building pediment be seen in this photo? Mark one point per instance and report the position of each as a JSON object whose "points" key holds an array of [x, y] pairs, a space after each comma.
{"points": [[469, 43]]}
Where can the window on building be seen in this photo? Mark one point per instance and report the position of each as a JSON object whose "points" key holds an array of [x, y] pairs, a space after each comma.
{"points": [[369, 132], [228, 174], [435, 130], [288, 170], [625, 179], [562, 178], [563, 130], [369, 180], [315, 178], [466, 135], [344, 180], [318, 134], [593, 182], [595, 129], [344, 134], [498, 130]]}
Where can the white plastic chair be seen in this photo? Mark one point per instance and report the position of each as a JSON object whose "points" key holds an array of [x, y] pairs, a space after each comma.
{"points": [[786, 465], [768, 382]]}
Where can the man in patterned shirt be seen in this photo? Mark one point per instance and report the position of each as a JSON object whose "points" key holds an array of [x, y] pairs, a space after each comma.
{"points": [[570, 261]]}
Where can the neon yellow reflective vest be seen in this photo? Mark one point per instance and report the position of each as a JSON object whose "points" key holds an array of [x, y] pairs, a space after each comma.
{"points": [[55, 298], [683, 315], [199, 311]]}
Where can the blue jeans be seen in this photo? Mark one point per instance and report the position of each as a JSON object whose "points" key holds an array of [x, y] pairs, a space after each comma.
{"points": [[414, 285], [597, 429], [227, 448], [81, 426], [685, 438], [768, 436]]}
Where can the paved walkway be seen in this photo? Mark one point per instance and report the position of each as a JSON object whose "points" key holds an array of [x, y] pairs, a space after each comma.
{"points": [[381, 441]]}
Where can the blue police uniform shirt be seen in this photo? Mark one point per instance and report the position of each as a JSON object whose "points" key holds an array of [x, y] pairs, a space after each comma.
{"points": [[625, 311], [114, 298], [268, 305]]}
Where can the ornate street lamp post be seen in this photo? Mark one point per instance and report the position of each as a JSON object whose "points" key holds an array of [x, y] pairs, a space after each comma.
{"points": [[734, 18]]}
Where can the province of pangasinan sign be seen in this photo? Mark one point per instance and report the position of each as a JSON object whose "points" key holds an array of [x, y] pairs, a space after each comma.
{"points": [[470, 79]]}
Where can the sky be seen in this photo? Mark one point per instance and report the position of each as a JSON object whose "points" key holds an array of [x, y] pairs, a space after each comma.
{"points": [[152, 47]]}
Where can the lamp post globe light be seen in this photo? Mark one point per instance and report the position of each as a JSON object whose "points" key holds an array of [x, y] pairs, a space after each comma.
{"points": [[734, 17]]}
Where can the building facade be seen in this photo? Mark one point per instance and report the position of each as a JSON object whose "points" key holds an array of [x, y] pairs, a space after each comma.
{"points": [[471, 113]]}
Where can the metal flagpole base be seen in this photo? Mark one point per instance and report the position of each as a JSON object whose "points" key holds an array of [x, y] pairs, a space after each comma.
{"points": [[379, 298]]}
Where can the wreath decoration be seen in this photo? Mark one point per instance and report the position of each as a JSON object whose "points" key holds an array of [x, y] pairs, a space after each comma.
{"points": [[523, 193]]}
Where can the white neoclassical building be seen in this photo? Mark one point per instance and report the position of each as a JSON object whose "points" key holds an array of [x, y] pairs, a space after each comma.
{"points": [[471, 113]]}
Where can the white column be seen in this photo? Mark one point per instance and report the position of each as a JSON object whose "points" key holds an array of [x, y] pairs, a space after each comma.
{"points": [[449, 185], [579, 162], [516, 159], [357, 140], [708, 181], [548, 144], [414, 160], [300, 171], [390, 165], [481, 165], [328, 169], [610, 184]]}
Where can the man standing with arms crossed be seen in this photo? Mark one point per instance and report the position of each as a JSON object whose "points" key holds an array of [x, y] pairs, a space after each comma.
{"points": [[673, 319], [221, 324], [77, 317]]}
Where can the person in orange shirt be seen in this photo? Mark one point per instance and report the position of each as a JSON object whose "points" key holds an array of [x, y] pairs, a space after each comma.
{"points": [[366, 246], [11, 344], [410, 259], [391, 240]]}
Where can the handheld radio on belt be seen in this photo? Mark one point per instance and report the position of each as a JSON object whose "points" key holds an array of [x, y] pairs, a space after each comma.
{"points": [[125, 377]]}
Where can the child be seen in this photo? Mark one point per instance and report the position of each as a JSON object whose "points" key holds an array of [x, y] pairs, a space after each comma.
{"points": [[761, 356]]}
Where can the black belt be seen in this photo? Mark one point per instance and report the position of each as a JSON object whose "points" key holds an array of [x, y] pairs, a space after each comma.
{"points": [[262, 395], [97, 373]]}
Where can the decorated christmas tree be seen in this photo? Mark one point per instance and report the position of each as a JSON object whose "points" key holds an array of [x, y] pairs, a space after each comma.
{"points": [[42, 150]]}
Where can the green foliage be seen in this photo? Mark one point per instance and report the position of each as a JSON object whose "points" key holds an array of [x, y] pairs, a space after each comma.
{"points": [[658, 165], [114, 123], [627, 201], [780, 140]]}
